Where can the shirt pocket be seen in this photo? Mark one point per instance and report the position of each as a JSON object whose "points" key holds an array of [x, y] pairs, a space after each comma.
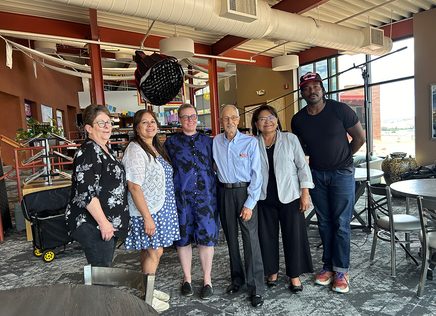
{"points": [[242, 162]]}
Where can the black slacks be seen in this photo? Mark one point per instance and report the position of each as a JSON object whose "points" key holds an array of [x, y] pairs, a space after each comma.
{"points": [[294, 236], [230, 204]]}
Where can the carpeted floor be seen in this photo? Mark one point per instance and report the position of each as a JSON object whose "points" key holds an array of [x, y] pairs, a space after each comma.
{"points": [[373, 290]]}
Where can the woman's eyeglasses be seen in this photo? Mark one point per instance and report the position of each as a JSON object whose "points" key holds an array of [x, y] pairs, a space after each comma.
{"points": [[102, 124], [263, 119]]}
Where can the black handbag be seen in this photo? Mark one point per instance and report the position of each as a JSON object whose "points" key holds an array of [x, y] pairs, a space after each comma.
{"points": [[420, 172]]}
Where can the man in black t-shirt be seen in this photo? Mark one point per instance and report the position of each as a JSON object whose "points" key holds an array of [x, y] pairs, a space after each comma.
{"points": [[322, 128]]}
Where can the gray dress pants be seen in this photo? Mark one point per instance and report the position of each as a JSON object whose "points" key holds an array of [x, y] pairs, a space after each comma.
{"points": [[230, 203]]}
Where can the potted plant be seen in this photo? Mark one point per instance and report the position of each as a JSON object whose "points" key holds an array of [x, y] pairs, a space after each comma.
{"points": [[34, 128]]}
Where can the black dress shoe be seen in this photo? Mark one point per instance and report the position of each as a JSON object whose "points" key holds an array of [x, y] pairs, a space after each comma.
{"points": [[232, 289], [206, 292], [272, 283], [296, 288], [187, 289], [256, 300]]}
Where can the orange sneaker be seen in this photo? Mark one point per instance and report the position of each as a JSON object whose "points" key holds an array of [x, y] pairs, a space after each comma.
{"points": [[324, 277], [340, 284]]}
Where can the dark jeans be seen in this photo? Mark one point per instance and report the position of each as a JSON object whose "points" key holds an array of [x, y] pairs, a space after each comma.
{"points": [[98, 252], [333, 198]]}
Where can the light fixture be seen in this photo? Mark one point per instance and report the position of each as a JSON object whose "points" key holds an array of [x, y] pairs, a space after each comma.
{"points": [[45, 47], [121, 57], [179, 47], [285, 62]]}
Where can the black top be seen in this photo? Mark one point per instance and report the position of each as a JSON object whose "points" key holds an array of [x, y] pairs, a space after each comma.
{"points": [[97, 174], [325, 135], [271, 190]]}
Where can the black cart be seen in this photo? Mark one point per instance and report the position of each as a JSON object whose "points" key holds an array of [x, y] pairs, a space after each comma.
{"points": [[45, 210]]}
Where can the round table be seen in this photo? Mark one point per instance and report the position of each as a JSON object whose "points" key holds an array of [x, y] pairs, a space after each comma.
{"points": [[360, 174], [415, 188], [71, 299]]}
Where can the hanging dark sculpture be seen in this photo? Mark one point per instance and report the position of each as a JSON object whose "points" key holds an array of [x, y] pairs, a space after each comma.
{"points": [[158, 77]]}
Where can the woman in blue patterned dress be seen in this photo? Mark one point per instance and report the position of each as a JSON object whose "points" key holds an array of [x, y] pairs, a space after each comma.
{"points": [[154, 220]]}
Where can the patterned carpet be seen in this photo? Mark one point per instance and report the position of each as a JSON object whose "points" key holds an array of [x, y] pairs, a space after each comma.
{"points": [[373, 291]]}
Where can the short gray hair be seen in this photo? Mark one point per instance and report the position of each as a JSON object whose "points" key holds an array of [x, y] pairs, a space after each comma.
{"points": [[226, 106]]}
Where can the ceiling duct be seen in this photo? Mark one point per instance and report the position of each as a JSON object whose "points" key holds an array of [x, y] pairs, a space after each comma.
{"points": [[239, 10], [203, 15], [372, 38]]}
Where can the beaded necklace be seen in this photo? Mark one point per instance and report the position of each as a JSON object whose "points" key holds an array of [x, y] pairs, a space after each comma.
{"points": [[272, 143]]}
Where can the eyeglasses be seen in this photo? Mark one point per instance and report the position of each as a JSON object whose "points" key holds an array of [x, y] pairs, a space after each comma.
{"points": [[263, 119], [187, 117], [102, 124], [233, 118]]}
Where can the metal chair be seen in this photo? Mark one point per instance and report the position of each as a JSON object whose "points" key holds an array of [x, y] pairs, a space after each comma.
{"points": [[427, 216], [120, 277], [387, 224]]}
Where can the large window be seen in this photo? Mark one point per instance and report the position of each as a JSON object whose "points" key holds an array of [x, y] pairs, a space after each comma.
{"points": [[391, 94]]}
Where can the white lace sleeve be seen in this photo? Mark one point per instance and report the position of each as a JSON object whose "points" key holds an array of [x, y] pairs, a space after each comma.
{"points": [[135, 161]]}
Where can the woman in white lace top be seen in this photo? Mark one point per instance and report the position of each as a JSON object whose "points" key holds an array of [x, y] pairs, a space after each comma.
{"points": [[154, 221]]}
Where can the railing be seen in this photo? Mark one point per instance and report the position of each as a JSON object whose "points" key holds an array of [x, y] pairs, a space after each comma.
{"points": [[37, 163]]}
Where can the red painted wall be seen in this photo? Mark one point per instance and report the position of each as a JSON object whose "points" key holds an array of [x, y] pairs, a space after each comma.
{"points": [[18, 84]]}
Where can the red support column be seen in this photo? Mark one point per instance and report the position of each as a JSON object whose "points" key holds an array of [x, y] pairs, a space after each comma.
{"points": [[97, 87], [191, 90], [214, 102]]}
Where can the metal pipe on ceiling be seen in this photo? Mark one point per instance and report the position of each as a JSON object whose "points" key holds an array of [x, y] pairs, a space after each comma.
{"points": [[204, 15]]}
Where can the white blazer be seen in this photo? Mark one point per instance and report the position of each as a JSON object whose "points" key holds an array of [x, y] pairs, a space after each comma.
{"points": [[290, 167]]}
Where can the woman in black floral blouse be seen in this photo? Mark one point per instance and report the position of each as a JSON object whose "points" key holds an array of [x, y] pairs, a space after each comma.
{"points": [[97, 214]]}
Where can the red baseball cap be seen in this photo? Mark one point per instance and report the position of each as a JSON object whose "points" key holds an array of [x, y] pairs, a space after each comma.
{"points": [[310, 76]]}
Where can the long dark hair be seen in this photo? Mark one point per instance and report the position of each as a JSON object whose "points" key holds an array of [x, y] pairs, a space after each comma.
{"points": [[137, 118], [255, 117]]}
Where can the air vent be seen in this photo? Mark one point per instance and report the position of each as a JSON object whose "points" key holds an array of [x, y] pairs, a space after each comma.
{"points": [[373, 38], [239, 10]]}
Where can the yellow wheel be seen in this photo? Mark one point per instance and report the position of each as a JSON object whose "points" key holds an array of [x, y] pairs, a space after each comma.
{"points": [[37, 253], [48, 256]]}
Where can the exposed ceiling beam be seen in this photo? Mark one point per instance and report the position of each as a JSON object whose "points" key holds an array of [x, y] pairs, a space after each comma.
{"points": [[32, 24], [230, 42], [134, 39], [315, 53], [298, 6], [399, 30]]}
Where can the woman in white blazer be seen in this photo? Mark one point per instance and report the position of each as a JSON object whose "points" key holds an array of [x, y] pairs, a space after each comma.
{"points": [[283, 199]]}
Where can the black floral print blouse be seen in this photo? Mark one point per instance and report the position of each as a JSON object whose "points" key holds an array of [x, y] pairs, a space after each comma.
{"points": [[101, 175]]}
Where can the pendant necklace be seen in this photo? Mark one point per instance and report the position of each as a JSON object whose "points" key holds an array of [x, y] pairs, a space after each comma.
{"points": [[272, 143]]}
